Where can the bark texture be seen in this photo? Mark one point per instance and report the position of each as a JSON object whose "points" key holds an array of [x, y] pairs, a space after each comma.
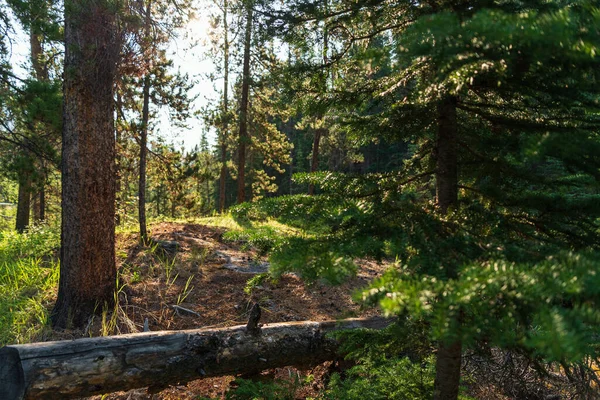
{"points": [[448, 362], [447, 376], [243, 133], [87, 272], [69, 369]]}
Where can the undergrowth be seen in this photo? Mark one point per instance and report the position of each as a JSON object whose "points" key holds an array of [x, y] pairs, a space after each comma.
{"points": [[28, 281], [271, 390], [395, 363]]}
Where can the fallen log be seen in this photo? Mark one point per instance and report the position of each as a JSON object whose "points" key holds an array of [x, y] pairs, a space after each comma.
{"points": [[84, 367]]}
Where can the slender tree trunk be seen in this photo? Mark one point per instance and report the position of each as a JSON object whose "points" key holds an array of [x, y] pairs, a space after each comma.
{"points": [[292, 157], [38, 200], [224, 134], [314, 165], [243, 136], [25, 178], [448, 363], [446, 159], [118, 162], [87, 254], [143, 154], [144, 137], [158, 201], [24, 201], [41, 74], [42, 201]]}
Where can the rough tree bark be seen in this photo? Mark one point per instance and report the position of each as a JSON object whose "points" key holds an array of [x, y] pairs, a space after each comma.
{"points": [[225, 131], [243, 133], [84, 367], [448, 361], [87, 270]]}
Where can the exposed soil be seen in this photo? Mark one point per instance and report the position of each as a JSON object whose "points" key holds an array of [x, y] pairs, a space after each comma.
{"points": [[204, 278]]}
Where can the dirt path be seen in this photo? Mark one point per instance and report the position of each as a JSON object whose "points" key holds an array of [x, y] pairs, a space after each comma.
{"points": [[202, 285]]}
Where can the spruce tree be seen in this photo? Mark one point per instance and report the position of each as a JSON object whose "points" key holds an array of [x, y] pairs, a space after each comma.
{"points": [[498, 104]]}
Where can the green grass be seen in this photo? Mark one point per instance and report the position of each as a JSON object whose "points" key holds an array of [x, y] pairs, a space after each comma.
{"points": [[261, 235], [28, 282]]}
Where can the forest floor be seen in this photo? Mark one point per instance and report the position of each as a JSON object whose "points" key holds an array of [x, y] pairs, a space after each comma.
{"points": [[205, 283], [208, 273]]}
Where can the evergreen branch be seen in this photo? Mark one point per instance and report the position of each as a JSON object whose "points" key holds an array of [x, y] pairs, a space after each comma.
{"points": [[25, 143]]}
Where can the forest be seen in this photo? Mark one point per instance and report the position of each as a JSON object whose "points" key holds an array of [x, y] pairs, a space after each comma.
{"points": [[386, 199]]}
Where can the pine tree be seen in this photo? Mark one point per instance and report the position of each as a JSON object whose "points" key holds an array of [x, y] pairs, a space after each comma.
{"points": [[499, 105], [88, 271], [40, 19], [145, 65], [259, 145]]}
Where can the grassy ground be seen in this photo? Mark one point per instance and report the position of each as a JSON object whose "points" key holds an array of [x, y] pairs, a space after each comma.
{"points": [[197, 278], [29, 270], [28, 283]]}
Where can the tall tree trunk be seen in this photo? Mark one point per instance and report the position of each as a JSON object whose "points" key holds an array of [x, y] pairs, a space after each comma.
{"points": [[142, 170], [24, 201], [25, 176], [87, 254], [118, 162], [41, 74], [144, 137], [243, 136], [225, 131], [447, 378], [314, 165]]}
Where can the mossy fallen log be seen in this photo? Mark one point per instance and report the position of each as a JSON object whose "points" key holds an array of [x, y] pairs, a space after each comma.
{"points": [[84, 367]]}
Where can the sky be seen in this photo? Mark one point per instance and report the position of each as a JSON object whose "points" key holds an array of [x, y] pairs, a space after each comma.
{"points": [[189, 59], [196, 64]]}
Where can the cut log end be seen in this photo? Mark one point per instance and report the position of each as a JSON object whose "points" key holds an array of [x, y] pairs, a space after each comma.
{"points": [[12, 382]]}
